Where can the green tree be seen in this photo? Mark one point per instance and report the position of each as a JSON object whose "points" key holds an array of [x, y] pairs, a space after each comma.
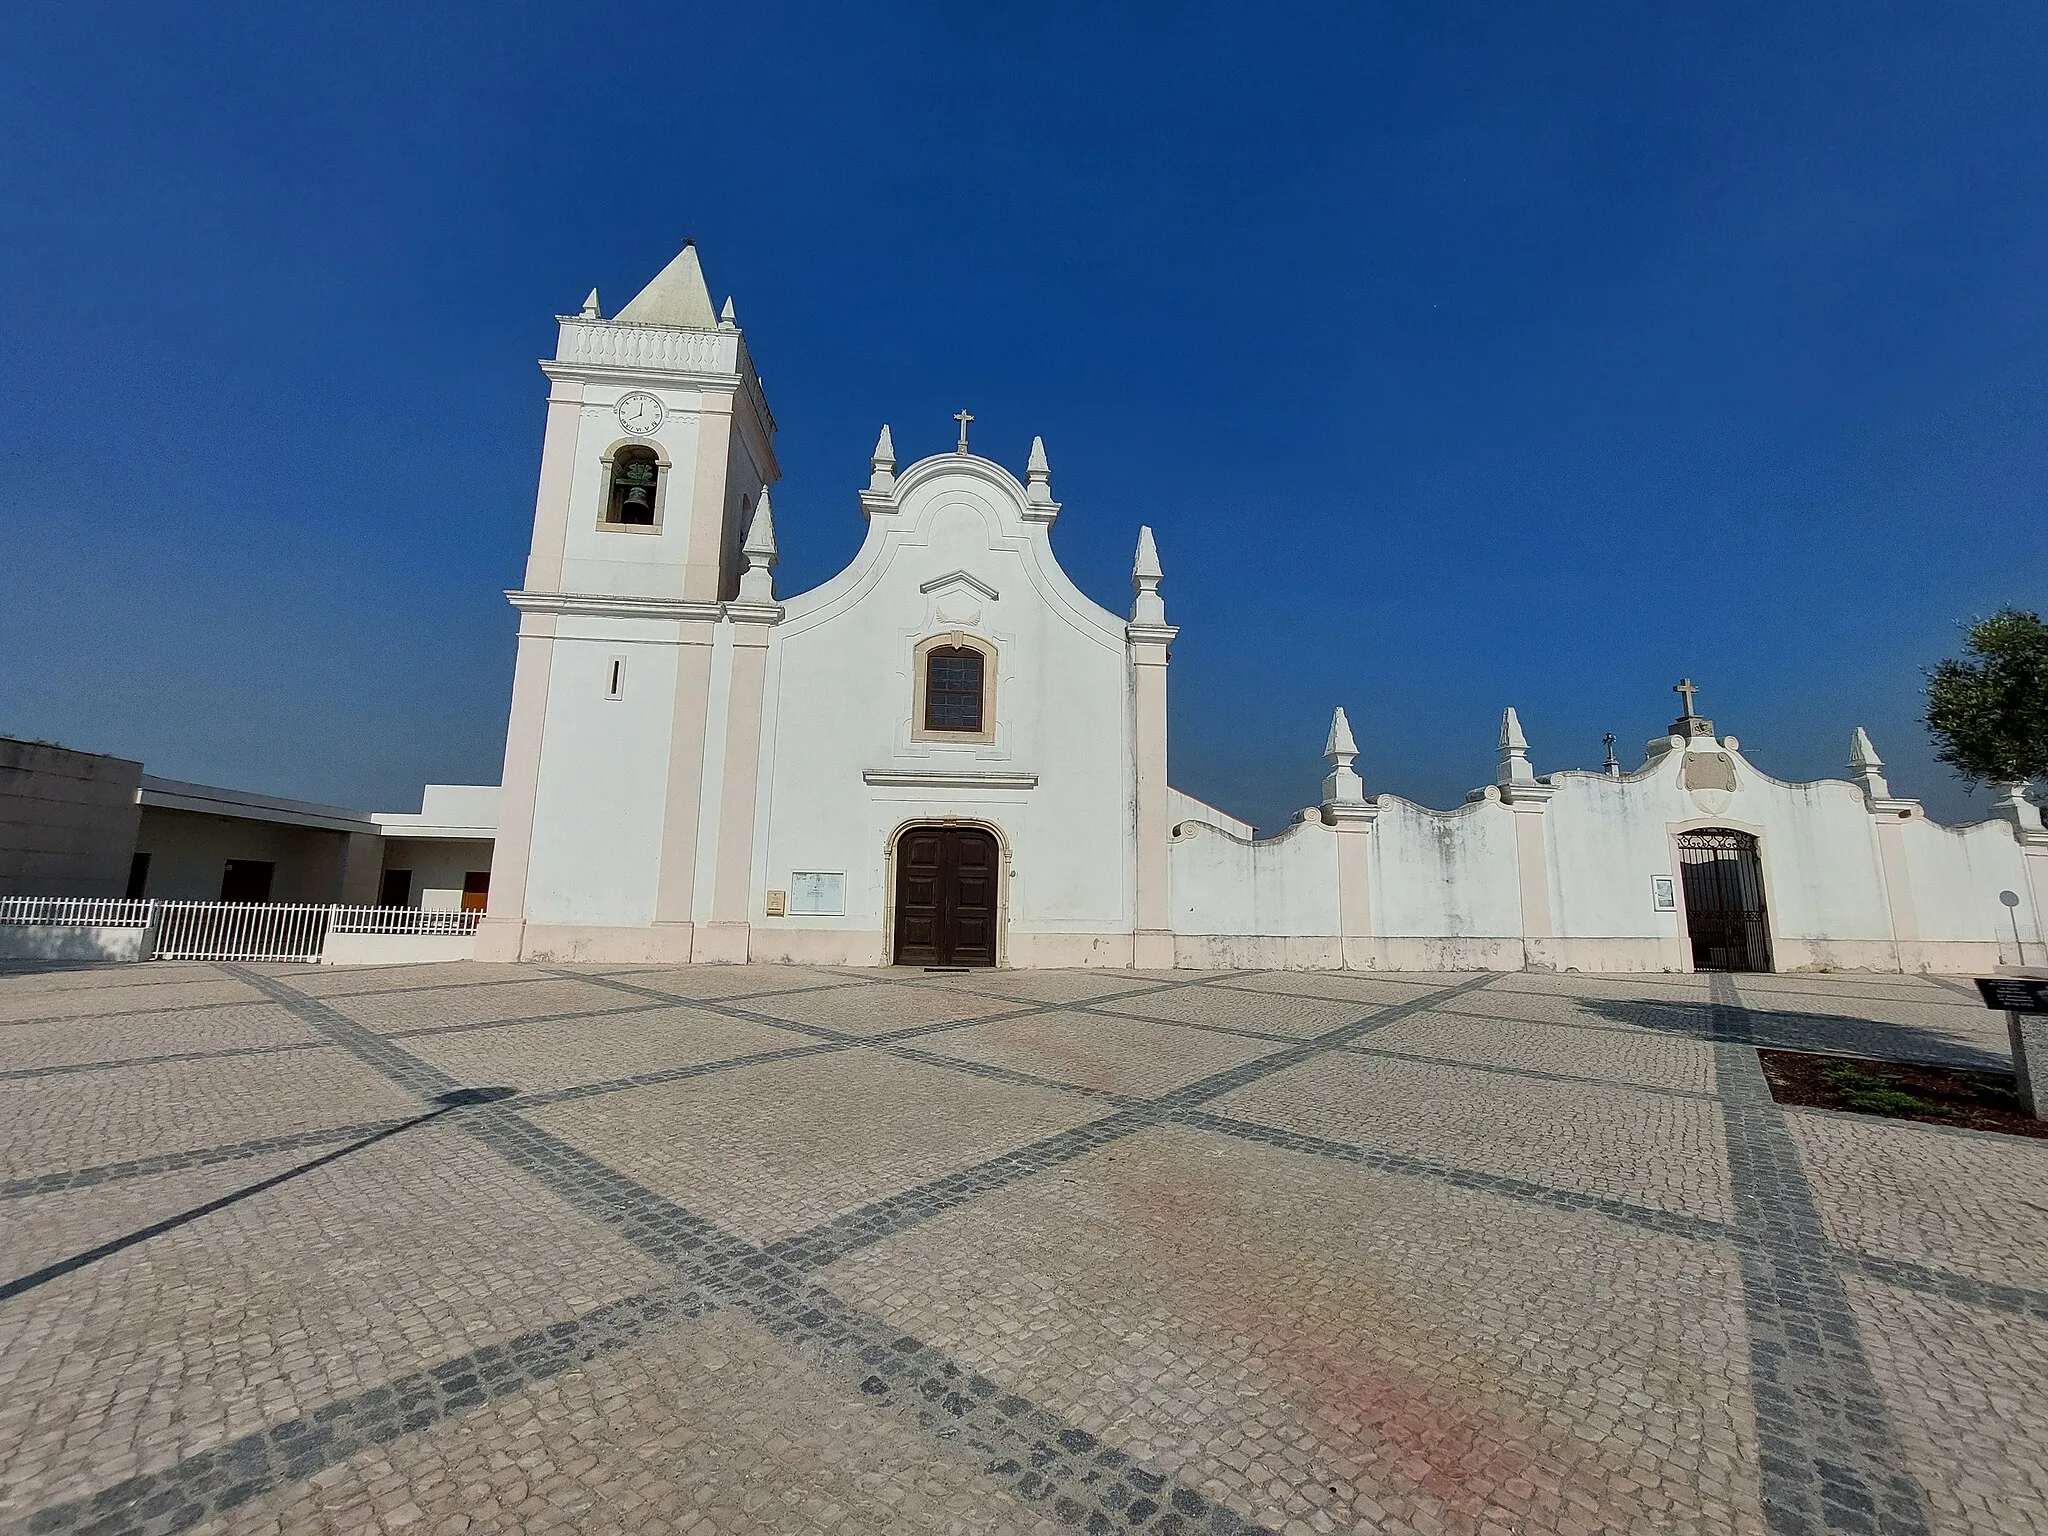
{"points": [[1988, 709]]}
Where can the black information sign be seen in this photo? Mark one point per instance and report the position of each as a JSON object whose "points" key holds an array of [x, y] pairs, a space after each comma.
{"points": [[2015, 994]]}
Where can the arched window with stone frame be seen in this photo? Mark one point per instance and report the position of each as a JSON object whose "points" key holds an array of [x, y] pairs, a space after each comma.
{"points": [[635, 484], [956, 677]]}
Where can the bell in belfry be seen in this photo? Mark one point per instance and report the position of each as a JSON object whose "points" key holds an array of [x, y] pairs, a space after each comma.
{"points": [[636, 479]]}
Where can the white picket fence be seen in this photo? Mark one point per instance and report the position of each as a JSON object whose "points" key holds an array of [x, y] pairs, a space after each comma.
{"points": [[230, 930], [76, 911], [400, 920]]}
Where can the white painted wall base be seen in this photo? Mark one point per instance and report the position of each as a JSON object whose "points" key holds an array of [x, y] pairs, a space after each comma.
{"points": [[772, 944], [1071, 951], [38, 941], [1256, 952], [499, 938], [722, 944], [775, 945], [660, 944], [1633, 955], [1953, 959], [1948, 958], [396, 948]]}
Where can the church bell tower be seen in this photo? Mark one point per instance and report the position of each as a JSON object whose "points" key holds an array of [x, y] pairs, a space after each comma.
{"points": [[655, 463], [658, 443]]}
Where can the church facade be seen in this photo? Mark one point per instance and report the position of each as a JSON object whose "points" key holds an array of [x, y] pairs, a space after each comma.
{"points": [[949, 755]]}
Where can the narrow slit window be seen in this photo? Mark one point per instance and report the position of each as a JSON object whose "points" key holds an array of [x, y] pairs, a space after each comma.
{"points": [[953, 689], [615, 678]]}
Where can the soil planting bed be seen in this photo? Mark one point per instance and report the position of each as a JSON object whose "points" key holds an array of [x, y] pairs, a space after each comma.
{"points": [[1981, 1101]]}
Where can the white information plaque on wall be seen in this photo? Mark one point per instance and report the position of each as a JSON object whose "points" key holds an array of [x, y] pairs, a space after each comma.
{"points": [[1663, 893], [814, 893]]}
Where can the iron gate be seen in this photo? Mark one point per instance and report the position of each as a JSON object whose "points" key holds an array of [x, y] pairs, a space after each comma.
{"points": [[1724, 901]]}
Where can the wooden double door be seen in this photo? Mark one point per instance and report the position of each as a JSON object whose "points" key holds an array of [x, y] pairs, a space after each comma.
{"points": [[947, 901]]}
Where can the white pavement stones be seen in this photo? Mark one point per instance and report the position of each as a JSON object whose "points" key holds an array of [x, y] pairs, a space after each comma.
{"points": [[794, 1250]]}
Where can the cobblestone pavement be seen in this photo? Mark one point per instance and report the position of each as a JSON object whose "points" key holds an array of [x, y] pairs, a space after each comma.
{"points": [[611, 1249]]}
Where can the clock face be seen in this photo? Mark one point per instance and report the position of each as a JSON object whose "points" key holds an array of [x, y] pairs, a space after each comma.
{"points": [[640, 413]]}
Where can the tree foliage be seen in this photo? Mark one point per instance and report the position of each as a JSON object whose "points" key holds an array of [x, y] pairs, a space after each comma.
{"points": [[1988, 709]]}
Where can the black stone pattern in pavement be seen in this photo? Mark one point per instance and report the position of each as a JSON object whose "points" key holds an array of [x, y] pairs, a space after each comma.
{"points": [[172, 1162], [213, 1481], [1015, 1443], [69, 1068], [825, 1245], [2019, 1300], [1828, 1457], [1533, 1074], [974, 1181], [1829, 1461]]}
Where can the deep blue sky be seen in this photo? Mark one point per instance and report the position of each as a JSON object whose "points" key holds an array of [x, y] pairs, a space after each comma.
{"points": [[1459, 355]]}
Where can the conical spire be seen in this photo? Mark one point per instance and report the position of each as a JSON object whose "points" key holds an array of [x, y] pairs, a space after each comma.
{"points": [[1146, 563], [1148, 607], [1866, 767], [1343, 786], [590, 309], [1038, 475], [761, 531], [757, 585], [677, 296], [1341, 743], [882, 466], [1511, 737], [726, 319], [1514, 780], [1514, 752]]}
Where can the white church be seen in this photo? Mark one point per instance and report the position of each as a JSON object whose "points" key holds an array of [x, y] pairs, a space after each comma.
{"points": [[948, 755]]}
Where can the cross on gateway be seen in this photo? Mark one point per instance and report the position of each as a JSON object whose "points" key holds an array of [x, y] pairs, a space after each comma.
{"points": [[1684, 689], [963, 417]]}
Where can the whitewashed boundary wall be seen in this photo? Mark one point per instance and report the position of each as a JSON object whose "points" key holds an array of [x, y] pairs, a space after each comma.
{"points": [[1244, 905], [1581, 871]]}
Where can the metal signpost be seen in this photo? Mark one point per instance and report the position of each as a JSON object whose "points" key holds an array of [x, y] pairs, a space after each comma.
{"points": [[2025, 1001]]}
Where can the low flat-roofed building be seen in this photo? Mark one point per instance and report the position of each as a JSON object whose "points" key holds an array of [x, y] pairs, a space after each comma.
{"points": [[439, 858], [199, 842], [67, 820]]}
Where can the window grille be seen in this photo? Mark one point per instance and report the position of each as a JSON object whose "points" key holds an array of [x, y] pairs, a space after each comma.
{"points": [[953, 689]]}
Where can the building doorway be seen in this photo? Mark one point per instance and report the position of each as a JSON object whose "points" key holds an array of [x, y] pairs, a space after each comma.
{"points": [[1724, 900], [946, 896], [247, 880]]}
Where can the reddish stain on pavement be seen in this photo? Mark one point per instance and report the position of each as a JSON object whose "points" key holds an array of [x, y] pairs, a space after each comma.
{"points": [[1398, 1402]]}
